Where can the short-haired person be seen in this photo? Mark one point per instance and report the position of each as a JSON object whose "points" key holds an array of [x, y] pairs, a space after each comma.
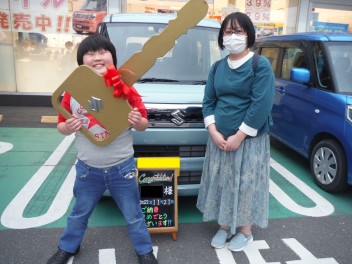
{"points": [[98, 168], [237, 102]]}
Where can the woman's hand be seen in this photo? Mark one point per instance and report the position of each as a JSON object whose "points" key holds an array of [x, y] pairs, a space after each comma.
{"points": [[217, 137], [234, 142]]}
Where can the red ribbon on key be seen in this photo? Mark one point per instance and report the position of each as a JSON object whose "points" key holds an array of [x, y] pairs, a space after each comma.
{"points": [[112, 78]]}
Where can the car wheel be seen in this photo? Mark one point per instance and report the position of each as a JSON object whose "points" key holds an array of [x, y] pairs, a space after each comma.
{"points": [[328, 165]]}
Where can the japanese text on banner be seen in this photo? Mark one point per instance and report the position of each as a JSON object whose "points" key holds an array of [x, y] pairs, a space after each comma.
{"points": [[41, 16]]}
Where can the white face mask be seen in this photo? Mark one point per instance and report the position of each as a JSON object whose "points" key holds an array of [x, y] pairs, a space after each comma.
{"points": [[235, 44]]}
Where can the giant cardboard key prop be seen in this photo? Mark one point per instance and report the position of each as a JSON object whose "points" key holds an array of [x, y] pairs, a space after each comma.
{"points": [[89, 90]]}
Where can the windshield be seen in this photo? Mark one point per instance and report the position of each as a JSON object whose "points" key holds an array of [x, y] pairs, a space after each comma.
{"points": [[188, 61], [94, 5], [341, 55]]}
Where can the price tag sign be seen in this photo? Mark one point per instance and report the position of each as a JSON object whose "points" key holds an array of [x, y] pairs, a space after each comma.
{"points": [[258, 10]]}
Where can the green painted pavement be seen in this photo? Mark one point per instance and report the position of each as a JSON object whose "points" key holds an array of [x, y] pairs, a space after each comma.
{"points": [[33, 146]]}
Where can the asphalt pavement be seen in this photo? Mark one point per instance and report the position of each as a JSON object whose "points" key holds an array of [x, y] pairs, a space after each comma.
{"points": [[294, 241], [26, 116]]}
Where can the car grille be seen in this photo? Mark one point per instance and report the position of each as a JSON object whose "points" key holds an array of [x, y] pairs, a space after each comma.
{"points": [[186, 177], [189, 177], [174, 116], [189, 117], [82, 16]]}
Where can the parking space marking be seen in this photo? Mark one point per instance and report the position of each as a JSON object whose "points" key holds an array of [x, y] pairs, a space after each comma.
{"points": [[322, 208], [305, 255], [252, 251], [5, 147], [12, 216], [225, 256], [107, 256], [253, 254]]}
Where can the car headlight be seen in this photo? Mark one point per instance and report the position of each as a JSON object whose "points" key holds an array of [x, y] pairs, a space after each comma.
{"points": [[92, 16], [349, 112]]}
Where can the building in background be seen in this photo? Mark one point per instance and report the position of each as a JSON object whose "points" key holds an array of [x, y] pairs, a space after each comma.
{"points": [[34, 33]]}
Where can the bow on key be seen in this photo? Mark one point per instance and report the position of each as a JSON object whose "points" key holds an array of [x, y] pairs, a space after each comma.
{"points": [[112, 78]]}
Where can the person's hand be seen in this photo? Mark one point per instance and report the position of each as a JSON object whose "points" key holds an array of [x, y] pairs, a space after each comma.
{"points": [[136, 120], [218, 138], [234, 142], [72, 124], [134, 117]]}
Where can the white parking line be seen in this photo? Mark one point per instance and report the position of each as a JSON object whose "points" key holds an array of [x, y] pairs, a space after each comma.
{"points": [[225, 256], [322, 208], [305, 255], [12, 216], [253, 254], [107, 256], [4, 147], [252, 251]]}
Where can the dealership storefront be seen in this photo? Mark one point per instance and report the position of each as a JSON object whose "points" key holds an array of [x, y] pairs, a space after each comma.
{"points": [[38, 38]]}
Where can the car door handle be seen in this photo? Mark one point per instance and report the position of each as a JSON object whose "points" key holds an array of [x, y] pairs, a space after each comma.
{"points": [[280, 89]]}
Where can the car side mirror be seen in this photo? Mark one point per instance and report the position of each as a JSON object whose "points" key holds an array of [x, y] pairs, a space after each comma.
{"points": [[300, 75]]}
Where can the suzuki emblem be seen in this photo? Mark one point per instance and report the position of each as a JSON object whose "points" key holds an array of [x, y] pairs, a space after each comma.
{"points": [[179, 116], [95, 104]]}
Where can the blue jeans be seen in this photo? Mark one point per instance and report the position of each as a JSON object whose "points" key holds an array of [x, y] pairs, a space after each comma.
{"points": [[90, 184]]}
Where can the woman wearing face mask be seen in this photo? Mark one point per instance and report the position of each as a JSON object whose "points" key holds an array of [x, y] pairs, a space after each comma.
{"points": [[238, 98]]}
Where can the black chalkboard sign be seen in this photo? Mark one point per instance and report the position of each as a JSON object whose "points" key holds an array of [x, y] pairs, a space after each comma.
{"points": [[158, 190]]}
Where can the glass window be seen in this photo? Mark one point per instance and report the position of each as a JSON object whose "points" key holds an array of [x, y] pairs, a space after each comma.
{"points": [[97, 5], [7, 67], [272, 55], [43, 61], [321, 67], [330, 19], [38, 52], [341, 55], [293, 58], [269, 17], [189, 60]]}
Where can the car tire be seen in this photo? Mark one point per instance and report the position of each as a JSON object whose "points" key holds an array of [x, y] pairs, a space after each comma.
{"points": [[328, 166]]}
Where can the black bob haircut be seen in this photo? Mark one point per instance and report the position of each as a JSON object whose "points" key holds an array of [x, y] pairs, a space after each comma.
{"points": [[95, 42], [243, 21]]}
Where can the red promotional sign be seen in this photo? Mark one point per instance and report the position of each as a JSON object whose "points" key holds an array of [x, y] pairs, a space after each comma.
{"points": [[40, 16]]}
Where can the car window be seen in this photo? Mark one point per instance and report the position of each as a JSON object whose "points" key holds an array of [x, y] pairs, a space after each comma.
{"points": [[188, 61], [271, 54], [341, 56], [321, 67], [292, 58]]}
